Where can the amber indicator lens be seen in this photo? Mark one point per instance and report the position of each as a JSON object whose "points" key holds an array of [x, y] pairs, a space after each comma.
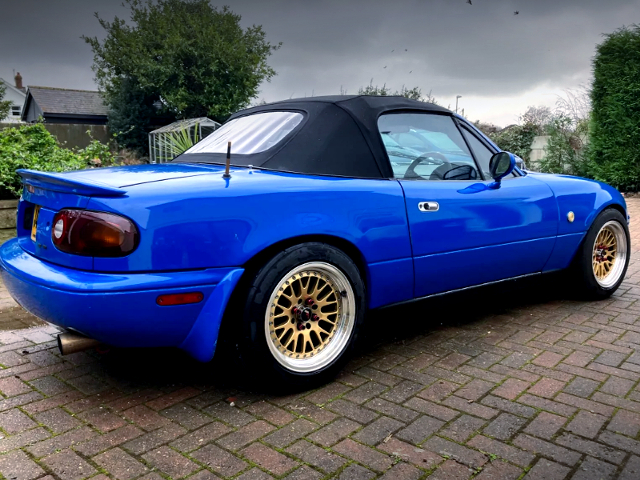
{"points": [[179, 299], [95, 234]]}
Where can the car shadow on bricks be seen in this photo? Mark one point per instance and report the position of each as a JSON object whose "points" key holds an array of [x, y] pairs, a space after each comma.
{"points": [[434, 318]]}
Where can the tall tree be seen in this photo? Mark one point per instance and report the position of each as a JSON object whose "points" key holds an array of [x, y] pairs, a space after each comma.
{"points": [[189, 58], [614, 144], [5, 105]]}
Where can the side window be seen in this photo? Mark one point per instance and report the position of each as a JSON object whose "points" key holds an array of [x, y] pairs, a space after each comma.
{"points": [[423, 146], [482, 153]]}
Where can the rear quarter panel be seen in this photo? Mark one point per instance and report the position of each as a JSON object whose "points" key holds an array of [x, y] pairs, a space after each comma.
{"points": [[207, 221]]}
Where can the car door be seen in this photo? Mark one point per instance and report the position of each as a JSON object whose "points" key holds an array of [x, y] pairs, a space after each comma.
{"points": [[464, 233]]}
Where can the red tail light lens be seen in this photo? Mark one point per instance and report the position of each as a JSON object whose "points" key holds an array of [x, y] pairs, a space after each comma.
{"points": [[94, 234]]}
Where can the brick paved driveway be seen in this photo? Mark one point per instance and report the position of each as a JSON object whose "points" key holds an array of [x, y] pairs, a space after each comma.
{"points": [[531, 386]]}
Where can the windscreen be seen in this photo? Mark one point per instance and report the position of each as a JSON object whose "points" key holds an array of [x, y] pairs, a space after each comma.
{"points": [[251, 134]]}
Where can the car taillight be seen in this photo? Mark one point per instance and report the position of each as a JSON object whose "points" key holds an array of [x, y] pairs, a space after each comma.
{"points": [[95, 234]]}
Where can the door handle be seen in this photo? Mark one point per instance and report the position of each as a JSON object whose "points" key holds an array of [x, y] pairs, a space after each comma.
{"points": [[428, 206]]}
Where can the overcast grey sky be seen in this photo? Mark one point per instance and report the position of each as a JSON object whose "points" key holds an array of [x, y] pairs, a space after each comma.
{"points": [[499, 62]]}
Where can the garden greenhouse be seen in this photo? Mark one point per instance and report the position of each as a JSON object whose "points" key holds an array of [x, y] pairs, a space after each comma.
{"points": [[169, 141]]}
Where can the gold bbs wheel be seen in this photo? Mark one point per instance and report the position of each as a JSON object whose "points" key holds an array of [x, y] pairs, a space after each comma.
{"points": [[310, 317], [609, 254]]}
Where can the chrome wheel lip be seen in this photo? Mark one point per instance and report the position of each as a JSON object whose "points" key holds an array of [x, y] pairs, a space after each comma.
{"points": [[344, 324], [620, 259]]}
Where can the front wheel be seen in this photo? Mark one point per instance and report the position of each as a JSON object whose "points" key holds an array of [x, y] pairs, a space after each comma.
{"points": [[302, 315], [603, 258]]}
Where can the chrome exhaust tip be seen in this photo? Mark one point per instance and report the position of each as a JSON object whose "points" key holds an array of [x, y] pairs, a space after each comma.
{"points": [[70, 342]]}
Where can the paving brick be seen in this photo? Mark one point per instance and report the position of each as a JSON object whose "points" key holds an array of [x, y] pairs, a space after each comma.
{"points": [[187, 416], [431, 409], [230, 415], [267, 458], [511, 388], [334, 432], [365, 392], [547, 470], [170, 462], [420, 429], [504, 427], [68, 466], [17, 465], [474, 389], [582, 387], [172, 398], [548, 405], [356, 472], [625, 422], [452, 470], [245, 435], [555, 452], [22, 439], [402, 471], [631, 469], [304, 473], [402, 391], [547, 359], [617, 386], [145, 418], [354, 412], [313, 412], [391, 409], [378, 376], [586, 424], [103, 419], [545, 425], [363, 454], [120, 464], [57, 420], [377, 431], [475, 409], [618, 441], [50, 385], [60, 442], [410, 453], [591, 448], [438, 390], [463, 427], [592, 468], [270, 413], [579, 359], [221, 461], [326, 393], [254, 474], [14, 421], [11, 387], [610, 358], [316, 456], [200, 437], [459, 453], [546, 387], [510, 407], [290, 433], [502, 450], [499, 470], [592, 406]]}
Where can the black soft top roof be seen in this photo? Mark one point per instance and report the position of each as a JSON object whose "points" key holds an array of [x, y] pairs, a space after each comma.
{"points": [[338, 136]]}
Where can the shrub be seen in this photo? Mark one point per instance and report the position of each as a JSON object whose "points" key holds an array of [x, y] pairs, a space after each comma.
{"points": [[517, 139], [614, 148], [33, 147]]}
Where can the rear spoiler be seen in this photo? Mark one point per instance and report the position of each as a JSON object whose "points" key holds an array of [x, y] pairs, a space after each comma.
{"points": [[60, 183]]}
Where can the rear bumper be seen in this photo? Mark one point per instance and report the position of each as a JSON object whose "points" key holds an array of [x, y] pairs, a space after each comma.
{"points": [[121, 309]]}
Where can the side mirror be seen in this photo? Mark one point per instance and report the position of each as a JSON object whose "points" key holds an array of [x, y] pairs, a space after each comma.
{"points": [[501, 165]]}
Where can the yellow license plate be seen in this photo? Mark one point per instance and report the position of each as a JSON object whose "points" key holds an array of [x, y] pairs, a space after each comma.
{"points": [[34, 225]]}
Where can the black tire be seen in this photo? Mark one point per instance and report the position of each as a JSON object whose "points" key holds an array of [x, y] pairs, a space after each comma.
{"points": [[256, 355], [586, 284]]}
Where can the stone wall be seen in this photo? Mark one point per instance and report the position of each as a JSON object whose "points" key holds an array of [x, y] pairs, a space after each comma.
{"points": [[7, 219]]}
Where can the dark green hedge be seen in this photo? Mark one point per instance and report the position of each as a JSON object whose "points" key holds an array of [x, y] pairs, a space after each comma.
{"points": [[614, 147]]}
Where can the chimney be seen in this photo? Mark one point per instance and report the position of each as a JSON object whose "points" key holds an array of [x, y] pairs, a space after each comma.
{"points": [[18, 79]]}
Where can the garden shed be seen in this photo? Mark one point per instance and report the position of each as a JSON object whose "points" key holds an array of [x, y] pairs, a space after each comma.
{"points": [[167, 142]]}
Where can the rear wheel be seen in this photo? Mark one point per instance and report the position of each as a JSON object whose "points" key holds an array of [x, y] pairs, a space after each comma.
{"points": [[302, 314], [603, 258]]}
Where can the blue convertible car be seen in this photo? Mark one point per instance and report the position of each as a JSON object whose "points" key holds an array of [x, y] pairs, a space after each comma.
{"points": [[332, 206]]}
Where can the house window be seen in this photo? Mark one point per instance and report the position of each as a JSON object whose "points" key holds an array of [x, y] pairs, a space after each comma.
{"points": [[15, 110]]}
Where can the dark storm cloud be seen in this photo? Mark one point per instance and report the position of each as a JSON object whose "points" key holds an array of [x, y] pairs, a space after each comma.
{"points": [[451, 47]]}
